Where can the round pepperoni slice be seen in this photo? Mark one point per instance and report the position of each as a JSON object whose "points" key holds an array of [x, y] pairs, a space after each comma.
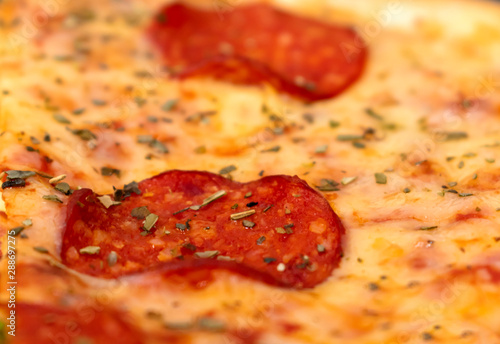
{"points": [[44, 324], [276, 229], [258, 43]]}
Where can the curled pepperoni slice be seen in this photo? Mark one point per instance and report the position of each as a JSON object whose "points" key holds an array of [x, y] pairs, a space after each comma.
{"points": [[276, 229], [258, 43]]}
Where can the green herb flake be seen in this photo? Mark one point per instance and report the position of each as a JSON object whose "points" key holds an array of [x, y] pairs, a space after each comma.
{"points": [[189, 246], [213, 197], [347, 180], [112, 258], [17, 230], [380, 178], [490, 161], [321, 149], [15, 174], [178, 326], [107, 201], [90, 250], [267, 208], [465, 194], [27, 223], [243, 214], [211, 324], [348, 137], [452, 184], [272, 149], [41, 249], [180, 211], [327, 185], [109, 171], [334, 124], [98, 102], [287, 211], [78, 111], [61, 119], [84, 134], [140, 212], [159, 146], [150, 221], [235, 206], [248, 224], [169, 105], [474, 176], [145, 138], [428, 228], [308, 118], [261, 240], [453, 136], [248, 194], [269, 260], [52, 198], [227, 169], [63, 187], [320, 248], [358, 145], [469, 155], [370, 112], [206, 254], [280, 230]]}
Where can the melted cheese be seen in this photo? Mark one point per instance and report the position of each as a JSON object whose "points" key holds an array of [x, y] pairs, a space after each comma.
{"points": [[433, 73]]}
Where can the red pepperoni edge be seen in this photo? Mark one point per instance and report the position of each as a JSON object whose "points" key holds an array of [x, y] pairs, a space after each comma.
{"points": [[181, 241], [47, 324], [257, 43]]}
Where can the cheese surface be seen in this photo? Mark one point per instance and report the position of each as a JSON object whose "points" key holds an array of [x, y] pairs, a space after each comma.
{"points": [[82, 88]]}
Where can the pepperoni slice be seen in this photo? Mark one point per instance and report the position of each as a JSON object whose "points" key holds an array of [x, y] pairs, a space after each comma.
{"points": [[276, 229], [258, 43], [43, 324]]}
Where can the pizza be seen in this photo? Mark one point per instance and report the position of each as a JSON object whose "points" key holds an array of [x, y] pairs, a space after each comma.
{"points": [[233, 171]]}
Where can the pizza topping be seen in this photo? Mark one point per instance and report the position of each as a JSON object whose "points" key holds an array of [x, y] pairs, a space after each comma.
{"points": [[238, 216], [52, 198], [63, 188], [347, 180], [248, 224], [136, 231], [14, 174], [257, 44], [227, 169], [14, 183], [107, 201], [57, 179], [380, 178], [90, 250], [150, 221], [41, 249]]}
